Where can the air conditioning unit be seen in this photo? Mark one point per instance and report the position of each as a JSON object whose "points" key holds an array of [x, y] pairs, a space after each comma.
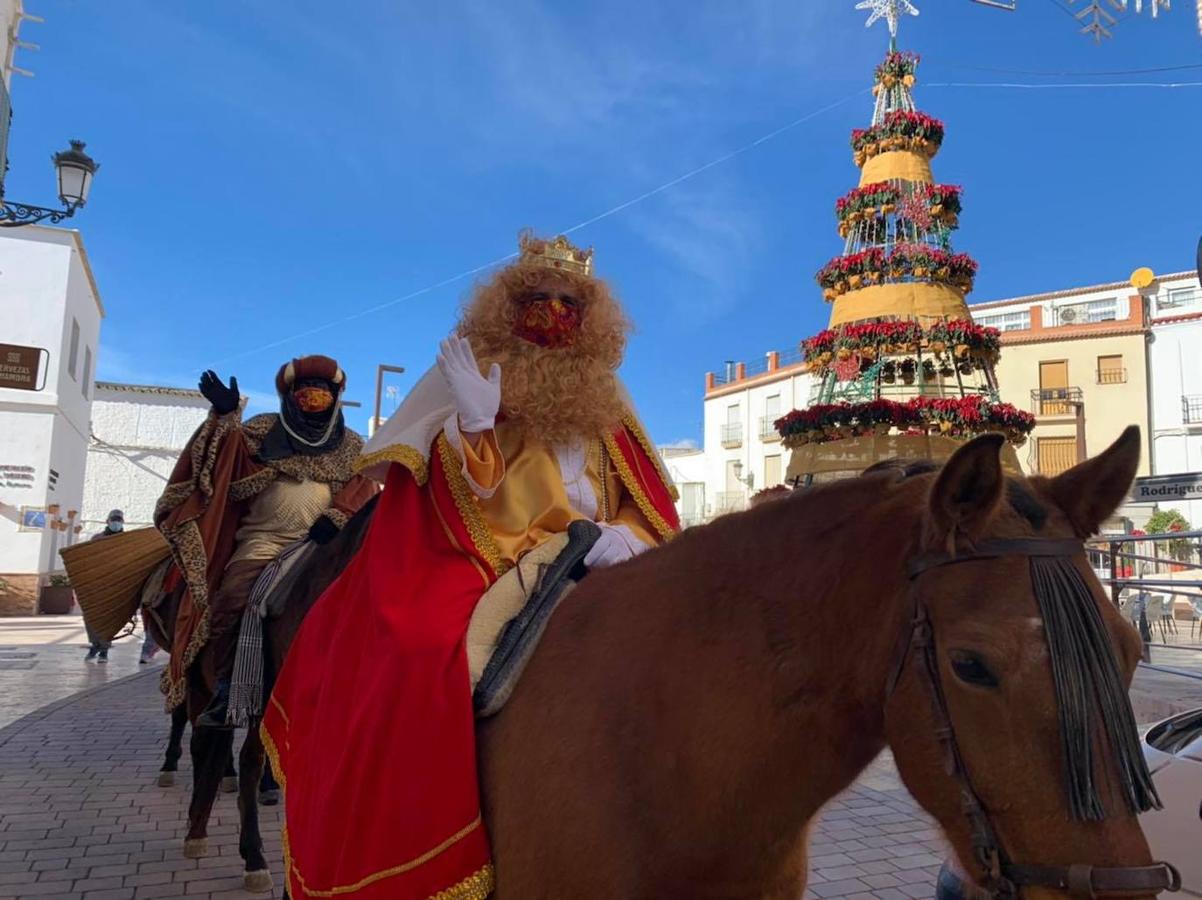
{"points": [[1070, 314]]}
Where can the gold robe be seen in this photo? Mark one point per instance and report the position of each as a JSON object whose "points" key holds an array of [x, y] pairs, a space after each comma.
{"points": [[528, 490]]}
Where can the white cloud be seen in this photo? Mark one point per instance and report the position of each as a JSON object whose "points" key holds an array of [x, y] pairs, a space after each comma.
{"points": [[709, 233], [681, 444]]}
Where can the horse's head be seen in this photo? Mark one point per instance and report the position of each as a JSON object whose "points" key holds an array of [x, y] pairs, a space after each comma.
{"points": [[1008, 713]]}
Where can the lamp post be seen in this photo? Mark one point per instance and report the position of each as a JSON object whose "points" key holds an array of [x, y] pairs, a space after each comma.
{"points": [[749, 480], [380, 370], [74, 171]]}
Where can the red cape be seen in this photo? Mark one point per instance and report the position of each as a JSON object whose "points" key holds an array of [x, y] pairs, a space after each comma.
{"points": [[370, 727]]}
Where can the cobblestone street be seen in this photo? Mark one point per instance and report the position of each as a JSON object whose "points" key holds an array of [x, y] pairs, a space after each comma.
{"points": [[82, 817]]}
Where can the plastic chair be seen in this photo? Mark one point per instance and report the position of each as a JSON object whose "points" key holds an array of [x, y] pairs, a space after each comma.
{"points": [[1154, 612]]}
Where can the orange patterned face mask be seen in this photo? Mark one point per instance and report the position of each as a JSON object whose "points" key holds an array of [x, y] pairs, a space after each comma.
{"points": [[549, 321], [313, 399]]}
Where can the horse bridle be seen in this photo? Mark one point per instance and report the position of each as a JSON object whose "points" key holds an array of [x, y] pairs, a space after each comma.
{"points": [[1003, 878]]}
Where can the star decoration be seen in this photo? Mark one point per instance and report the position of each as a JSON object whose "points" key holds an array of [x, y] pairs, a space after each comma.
{"points": [[889, 10]]}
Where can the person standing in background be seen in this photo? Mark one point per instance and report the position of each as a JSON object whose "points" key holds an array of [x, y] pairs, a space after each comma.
{"points": [[99, 650]]}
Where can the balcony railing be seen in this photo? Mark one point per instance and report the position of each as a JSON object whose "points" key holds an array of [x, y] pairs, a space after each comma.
{"points": [[732, 435], [784, 358], [1112, 376], [1056, 401], [768, 430], [1056, 456], [1191, 409]]}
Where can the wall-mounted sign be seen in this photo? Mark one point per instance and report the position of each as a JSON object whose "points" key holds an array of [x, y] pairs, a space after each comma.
{"points": [[1167, 488], [32, 519], [21, 367], [16, 477]]}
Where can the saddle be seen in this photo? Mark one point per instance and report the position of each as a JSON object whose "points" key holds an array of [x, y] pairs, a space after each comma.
{"points": [[512, 615], [504, 630]]}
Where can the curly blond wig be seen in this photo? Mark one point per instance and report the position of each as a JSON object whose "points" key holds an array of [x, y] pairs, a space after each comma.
{"points": [[553, 395]]}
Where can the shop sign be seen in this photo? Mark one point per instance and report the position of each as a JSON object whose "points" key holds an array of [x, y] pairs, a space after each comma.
{"points": [[1168, 488], [16, 477], [21, 367]]}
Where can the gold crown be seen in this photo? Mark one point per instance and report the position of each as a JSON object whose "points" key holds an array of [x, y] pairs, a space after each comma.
{"points": [[557, 253]]}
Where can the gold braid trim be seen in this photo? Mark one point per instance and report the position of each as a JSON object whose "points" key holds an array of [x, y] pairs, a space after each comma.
{"points": [[658, 522], [635, 427], [476, 886], [407, 456], [273, 753], [469, 509]]}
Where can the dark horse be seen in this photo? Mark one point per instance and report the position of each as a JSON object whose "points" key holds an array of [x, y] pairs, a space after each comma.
{"points": [[212, 749], [688, 713]]}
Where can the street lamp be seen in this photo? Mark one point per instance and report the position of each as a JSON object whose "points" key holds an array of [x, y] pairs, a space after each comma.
{"points": [[74, 171], [749, 480]]}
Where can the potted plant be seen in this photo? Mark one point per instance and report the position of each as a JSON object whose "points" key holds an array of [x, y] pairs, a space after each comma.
{"points": [[56, 598]]}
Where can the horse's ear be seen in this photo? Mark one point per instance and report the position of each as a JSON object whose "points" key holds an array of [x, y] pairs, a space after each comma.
{"points": [[1090, 491], [967, 492]]}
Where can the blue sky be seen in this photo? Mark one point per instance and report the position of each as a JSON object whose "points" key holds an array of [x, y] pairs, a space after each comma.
{"points": [[273, 166]]}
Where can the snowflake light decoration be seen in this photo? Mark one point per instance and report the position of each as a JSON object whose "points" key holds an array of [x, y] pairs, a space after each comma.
{"points": [[1096, 20], [889, 10]]}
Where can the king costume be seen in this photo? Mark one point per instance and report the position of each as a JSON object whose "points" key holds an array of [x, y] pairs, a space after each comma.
{"points": [[240, 493], [371, 727]]}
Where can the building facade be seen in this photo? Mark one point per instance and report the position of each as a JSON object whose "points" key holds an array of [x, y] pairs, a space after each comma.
{"points": [[1078, 360], [686, 469], [137, 434], [49, 335], [1175, 371], [742, 450]]}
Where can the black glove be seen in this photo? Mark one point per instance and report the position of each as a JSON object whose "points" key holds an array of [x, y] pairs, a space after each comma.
{"points": [[224, 399], [323, 530]]}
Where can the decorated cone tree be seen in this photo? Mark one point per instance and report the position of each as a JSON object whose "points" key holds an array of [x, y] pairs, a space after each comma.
{"points": [[904, 370]]}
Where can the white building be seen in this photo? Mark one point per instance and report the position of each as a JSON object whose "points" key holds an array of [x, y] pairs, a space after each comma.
{"points": [[743, 452], [137, 435], [50, 313], [1175, 376], [686, 468]]}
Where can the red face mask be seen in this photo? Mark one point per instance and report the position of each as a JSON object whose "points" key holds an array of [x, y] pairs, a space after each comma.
{"points": [[549, 322], [313, 399]]}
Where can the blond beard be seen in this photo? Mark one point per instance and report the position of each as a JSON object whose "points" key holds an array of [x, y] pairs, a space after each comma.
{"points": [[555, 396]]}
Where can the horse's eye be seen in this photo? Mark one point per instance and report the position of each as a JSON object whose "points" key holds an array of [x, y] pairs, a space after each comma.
{"points": [[971, 669]]}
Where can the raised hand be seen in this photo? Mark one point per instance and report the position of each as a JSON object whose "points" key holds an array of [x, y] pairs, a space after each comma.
{"points": [[224, 399], [477, 399]]}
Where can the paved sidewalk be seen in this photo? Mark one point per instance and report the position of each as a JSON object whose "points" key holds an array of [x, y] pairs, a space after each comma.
{"points": [[42, 660], [82, 818]]}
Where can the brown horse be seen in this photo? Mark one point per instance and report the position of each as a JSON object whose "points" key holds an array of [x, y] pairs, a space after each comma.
{"points": [[212, 749], [688, 713]]}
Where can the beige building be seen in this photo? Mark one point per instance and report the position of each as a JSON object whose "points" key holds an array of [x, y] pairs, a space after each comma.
{"points": [[1076, 359]]}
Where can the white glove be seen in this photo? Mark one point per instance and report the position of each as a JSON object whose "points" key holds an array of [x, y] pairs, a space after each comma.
{"points": [[616, 544], [477, 399]]}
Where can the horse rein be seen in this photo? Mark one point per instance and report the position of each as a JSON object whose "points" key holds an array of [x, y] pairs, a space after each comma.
{"points": [[1004, 879]]}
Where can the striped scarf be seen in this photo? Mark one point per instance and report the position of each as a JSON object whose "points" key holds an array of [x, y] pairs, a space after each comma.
{"points": [[246, 682]]}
